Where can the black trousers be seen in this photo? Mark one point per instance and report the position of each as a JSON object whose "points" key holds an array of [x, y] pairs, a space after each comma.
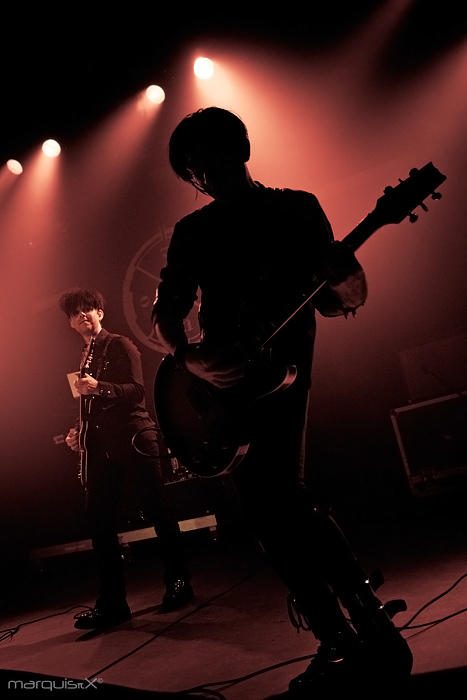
{"points": [[300, 539], [113, 468]]}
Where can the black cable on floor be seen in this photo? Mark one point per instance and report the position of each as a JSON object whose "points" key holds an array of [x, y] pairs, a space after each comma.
{"points": [[233, 681], [434, 622], [430, 602], [172, 624], [10, 632], [228, 683]]}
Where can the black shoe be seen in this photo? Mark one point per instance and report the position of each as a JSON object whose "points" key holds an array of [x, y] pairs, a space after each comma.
{"points": [[386, 655], [362, 665], [327, 670], [382, 650], [100, 618], [177, 593]]}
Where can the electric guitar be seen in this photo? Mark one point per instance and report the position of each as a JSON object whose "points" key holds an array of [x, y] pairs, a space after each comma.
{"points": [[206, 428], [85, 403]]}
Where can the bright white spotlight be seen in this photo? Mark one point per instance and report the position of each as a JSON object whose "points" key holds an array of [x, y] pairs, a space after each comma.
{"points": [[14, 166], [155, 94], [51, 148], [203, 68]]}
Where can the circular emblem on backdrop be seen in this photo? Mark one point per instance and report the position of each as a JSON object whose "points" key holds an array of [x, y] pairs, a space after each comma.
{"points": [[139, 289]]}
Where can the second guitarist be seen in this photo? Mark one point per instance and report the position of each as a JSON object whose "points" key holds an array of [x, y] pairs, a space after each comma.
{"points": [[117, 422], [252, 252]]}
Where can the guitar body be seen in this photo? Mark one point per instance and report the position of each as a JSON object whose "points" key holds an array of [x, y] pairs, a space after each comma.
{"points": [[205, 428]]}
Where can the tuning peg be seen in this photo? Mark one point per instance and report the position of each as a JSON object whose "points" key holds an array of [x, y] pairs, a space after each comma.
{"points": [[388, 189], [413, 172], [436, 195], [412, 217], [423, 206]]}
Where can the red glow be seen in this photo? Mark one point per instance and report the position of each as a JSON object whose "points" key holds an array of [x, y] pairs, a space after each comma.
{"points": [[315, 123]]}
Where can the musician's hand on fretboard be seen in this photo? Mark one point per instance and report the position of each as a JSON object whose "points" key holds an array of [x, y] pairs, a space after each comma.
{"points": [[72, 439], [86, 385]]}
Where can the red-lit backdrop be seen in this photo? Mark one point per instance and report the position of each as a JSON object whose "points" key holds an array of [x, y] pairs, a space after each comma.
{"points": [[335, 122]]}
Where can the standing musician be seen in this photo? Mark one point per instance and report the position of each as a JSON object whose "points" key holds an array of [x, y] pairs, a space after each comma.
{"points": [[118, 434], [253, 252]]}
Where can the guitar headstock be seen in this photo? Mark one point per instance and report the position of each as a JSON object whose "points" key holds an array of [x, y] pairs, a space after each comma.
{"points": [[400, 201]]}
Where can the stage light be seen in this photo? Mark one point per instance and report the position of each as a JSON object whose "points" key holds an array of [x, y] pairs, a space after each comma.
{"points": [[14, 166], [155, 94], [51, 148], [203, 68]]}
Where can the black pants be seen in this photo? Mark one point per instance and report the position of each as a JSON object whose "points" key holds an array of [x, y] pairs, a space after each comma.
{"points": [[300, 539], [112, 467]]}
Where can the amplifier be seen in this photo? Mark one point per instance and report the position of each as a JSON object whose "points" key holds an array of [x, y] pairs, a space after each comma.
{"points": [[432, 440]]}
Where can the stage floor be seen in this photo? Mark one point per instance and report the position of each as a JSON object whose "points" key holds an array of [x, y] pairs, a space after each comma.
{"points": [[234, 640]]}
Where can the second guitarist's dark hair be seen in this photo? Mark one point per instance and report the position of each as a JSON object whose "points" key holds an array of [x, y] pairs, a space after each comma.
{"points": [[78, 299]]}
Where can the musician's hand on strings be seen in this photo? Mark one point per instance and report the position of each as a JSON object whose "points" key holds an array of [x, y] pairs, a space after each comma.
{"points": [[338, 264], [86, 385], [346, 288], [72, 439], [221, 368]]}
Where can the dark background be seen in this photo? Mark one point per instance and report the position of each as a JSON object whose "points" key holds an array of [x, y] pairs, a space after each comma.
{"points": [[64, 71], [339, 100]]}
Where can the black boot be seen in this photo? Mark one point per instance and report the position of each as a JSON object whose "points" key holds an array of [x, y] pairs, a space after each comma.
{"points": [[103, 616], [332, 665], [382, 648], [178, 592]]}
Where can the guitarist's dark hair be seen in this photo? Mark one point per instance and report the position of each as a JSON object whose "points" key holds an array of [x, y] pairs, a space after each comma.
{"points": [[204, 136], [77, 299]]}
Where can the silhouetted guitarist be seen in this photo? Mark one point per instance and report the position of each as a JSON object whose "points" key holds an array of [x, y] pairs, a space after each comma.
{"points": [[252, 253]]}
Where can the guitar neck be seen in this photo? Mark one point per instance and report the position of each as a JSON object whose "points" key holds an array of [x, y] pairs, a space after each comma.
{"points": [[391, 208], [84, 369], [353, 240], [362, 232]]}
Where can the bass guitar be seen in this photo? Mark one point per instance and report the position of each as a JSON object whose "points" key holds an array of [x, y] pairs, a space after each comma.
{"points": [[206, 428], [85, 403]]}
